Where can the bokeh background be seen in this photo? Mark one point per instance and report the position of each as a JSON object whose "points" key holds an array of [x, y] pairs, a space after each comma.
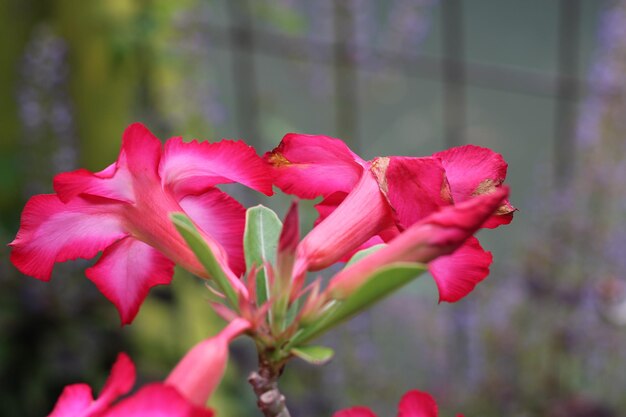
{"points": [[541, 81]]}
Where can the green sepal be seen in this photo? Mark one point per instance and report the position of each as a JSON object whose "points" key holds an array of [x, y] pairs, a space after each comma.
{"points": [[204, 254], [316, 355], [381, 283], [363, 253], [260, 240]]}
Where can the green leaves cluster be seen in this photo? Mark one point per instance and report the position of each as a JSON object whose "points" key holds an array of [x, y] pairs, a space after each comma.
{"points": [[261, 236]]}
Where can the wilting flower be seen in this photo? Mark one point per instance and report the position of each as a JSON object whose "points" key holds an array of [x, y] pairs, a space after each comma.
{"points": [[369, 202], [183, 394], [413, 404], [124, 210]]}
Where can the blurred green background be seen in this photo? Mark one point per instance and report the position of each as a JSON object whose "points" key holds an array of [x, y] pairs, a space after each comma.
{"points": [[541, 81]]}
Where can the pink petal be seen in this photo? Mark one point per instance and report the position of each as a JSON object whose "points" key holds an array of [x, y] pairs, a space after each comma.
{"points": [[471, 171], [329, 204], [55, 232], [74, 401], [125, 273], [109, 183], [416, 187], [138, 161], [437, 235], [417, 404], [157, 400], [355, 412], [309, 166], [224, 219], [363, 214], [77, 400], [141, 152], [198, 374], [193, 167], [119, 382], [457, 274]]}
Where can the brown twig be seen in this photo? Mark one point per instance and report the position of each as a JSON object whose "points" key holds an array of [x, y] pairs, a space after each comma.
{"points": [[265, 385]]}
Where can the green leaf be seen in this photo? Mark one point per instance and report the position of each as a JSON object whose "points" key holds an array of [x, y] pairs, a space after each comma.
{"points": [[316, 355], [381, 283], [363, 253], [260, 241], [202, 251]]}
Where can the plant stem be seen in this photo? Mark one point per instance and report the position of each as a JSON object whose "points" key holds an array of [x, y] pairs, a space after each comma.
{"points": [[265, 385]]}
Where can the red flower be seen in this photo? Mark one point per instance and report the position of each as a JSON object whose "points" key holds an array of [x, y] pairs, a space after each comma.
{"points": [[124, 211], [183, 394], [413, 404], [369, 202]]}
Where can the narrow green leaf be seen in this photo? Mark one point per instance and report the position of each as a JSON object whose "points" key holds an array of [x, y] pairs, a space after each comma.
{"points": [[202, 251], [381, 283], [260, 241], [363, 253], [316, 355]]}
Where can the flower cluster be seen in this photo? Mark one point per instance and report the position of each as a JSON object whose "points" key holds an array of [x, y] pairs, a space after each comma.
{"points": [[157, 206]]}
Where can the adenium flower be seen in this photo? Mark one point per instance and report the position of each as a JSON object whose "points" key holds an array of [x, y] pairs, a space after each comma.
{"points": [[183, 394], [370, 202], [439, 234], [413, 404], [155, 399], [198, 374], [124, 211]]}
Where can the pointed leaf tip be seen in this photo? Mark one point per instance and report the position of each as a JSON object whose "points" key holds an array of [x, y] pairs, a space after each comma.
{"points": [[316, 355]]}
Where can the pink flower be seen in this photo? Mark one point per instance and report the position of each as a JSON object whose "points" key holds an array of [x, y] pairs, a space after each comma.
{"points": [[198, 374], [439, 234], [370, 202], [124, 210], [413, 404], [155, 399], [183, 394]]}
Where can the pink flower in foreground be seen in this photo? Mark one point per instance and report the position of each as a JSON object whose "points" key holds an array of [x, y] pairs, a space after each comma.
{"points": [[413, 404], [124, 210], [183, 394], [155, 399], [198, 374], [370, 202]]}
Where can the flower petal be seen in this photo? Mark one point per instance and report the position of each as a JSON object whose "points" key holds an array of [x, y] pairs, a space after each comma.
{"points": [[437, 235], [329, 204], [119, 382], [457, 274], [112, 183], [198, 374], [309, 166], [77, 399], [55, 232], [473, 170], [416, 187], [139, 158], [355, 412], [363, 214], [74, 401], [224, 219], [157, 400], [125, 273], [193, 167], [141, 152], [417, 404]]}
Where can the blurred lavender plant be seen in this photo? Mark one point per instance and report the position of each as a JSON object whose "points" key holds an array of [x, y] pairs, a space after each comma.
{"points": [[45, 109]]}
